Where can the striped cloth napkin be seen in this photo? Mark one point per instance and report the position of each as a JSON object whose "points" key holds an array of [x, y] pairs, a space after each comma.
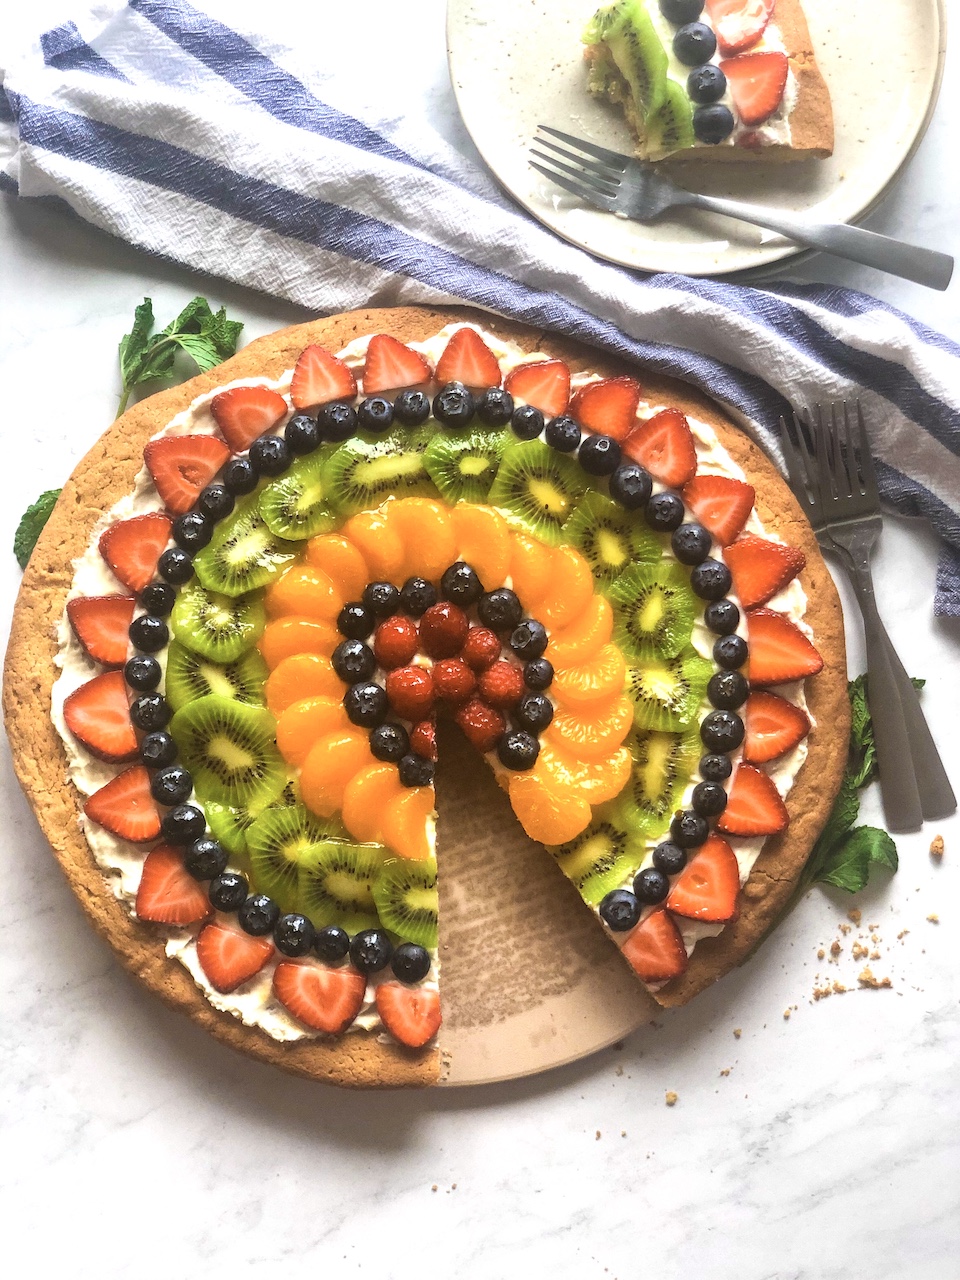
{"points": [[214, 147]]}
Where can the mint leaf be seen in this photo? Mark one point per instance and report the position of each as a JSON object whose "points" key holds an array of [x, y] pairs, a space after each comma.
{"points": [[31, 525], [133, 344], [849, 865], [863, 751]]}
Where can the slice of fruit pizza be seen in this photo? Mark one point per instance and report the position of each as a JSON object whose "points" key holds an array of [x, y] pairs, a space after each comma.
{"points": [[360, 529]]}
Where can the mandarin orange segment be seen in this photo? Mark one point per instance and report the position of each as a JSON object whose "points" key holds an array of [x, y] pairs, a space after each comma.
{"points": [[547, 814], [594, 781], [593, 730], [404, 823], [296, 634], [571, 586], [530, 570], [380, 545], [484, 542], [304, 590], [331, 763], [426, 531], [302, 675], [305, 722], [595, 680], [366, 798], [581, 638], [341, 561]]}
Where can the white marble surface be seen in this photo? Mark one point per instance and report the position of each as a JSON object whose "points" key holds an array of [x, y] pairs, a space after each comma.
{"points": [[134, 1145]]}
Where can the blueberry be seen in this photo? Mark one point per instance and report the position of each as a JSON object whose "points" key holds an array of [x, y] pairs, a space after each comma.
{"points": [[239, 477], [538, 674], [148, 634], [526, 422], [259, 914], [534, 712], [353, 660], [711, 579], [728, 689], [562, 434], [681, 11], [721, 731], [495, 407], [631, 486], [175, 566], [730, 652], [192, 531], [184, 824], [722, 616], [216, 501], [355, 621], [706, 83], [417, 595], [411, 408], [709, 799], [410, 963], [270, 455], [669, 858], [331, 943], [415, 771], [518, 749], [460, 584], [694, 43], [228, 891], [665, 512], [171, 785], [375, 414], [381, 598], [500, 610], [293, 935], [691, 543], [714, 768], [150, 712], [529, 639], [158, 598], [713, 123], [389, 742], [158, 749], [651, 886], [365, 704], [337, 422], [620, 910], [688, 830], [142, 673], [205, 858], [370, 950], [454, 406], [599, 455], [302, 436]]}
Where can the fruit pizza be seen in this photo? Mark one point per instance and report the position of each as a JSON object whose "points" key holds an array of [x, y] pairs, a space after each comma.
{"points": [[287, 573]]}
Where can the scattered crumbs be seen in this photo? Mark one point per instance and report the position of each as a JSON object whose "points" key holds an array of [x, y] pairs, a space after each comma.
{"points": [[786, 1015], [855, 914], [623, 1133], [821, 993], [726, 1071], [933, 918], [874, 955], [936, 847], [820, 953], [597, 1136], [737, 1033], [860, 952], [619, 1071], [867, 979], [835, 949], [845, 929], [434, 1187], [671, 1098], [838, 988], [873, 926], [874, 937], [902, 934]]}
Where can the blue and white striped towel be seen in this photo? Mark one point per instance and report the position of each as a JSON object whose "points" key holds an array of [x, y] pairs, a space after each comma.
{"points": [[159, 123]]}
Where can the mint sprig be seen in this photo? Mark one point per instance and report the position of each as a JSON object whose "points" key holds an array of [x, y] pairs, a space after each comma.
{"points": [[206, 336], [31, 525]]}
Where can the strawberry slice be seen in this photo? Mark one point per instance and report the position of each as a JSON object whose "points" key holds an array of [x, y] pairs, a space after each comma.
{"points": [[319, 378], [779, 651], [182, 465], [322, 998], [761, 567], [168, 893], [664, 445], [756, 82], [98, 714], [655, 948], [132, 547], [608, 406], [410, 1014], [544, 384], [229, 957], [391, 364], [125, 807], [101, 624], [467, 359], [243, 413], [754, 806], [708, 886], [739, 24], [721, 504], [774, 726]]}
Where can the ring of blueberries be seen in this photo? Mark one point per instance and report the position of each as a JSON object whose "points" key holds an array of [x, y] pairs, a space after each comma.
{"points": [[454, 406]]}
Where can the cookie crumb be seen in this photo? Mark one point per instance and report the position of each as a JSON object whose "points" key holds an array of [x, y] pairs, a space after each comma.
{"points": [[737, 1033], [821, 993], [867, 979], [671, 1098], [434, 1187], [786, 1015], [902, 934], [597, 1136], [838, 988], [726, 1071], [619, 1071], [623, 1133], [855, 914], [859, 951], [820, 953], [933, 918], [875, 955], [835, 949], [936, 847], [845, 929]]}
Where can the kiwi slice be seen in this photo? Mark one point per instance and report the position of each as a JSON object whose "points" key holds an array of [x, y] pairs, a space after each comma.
{"points": [[668, 692], [189, 676], [336, 884], [231, 751], [609, 538], [538, 486], [230, 827], [601, 857], [215, 626], [671, 129], [277, 839], [405, 892], [243, 553], [654, 608], [295, 505], [365, 470], [631, 40], [463, 464], [662, 766]]}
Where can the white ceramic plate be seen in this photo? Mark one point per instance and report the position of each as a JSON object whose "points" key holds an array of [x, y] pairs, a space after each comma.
{"points": [[518, 63]]}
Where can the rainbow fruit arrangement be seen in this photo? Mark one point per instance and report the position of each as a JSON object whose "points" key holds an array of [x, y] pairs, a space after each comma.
{"points": [[322, 585]]}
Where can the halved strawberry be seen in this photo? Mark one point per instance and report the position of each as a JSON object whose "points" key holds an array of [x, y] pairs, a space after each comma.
{"points": [[654, 949], [664, 445], [756, 82], [322, 998], [98, 714], [467, 358], [410, 1014], [774, 726], [319, 378], [721, 504], [101, 624], [132, 547], [779, 651], [243, 413], [761, 567], [608, 406], [391, 364], [182, 465], [708, 886], [228, 956], [125, 807], [544, 384], [739, 23], [754, 806], [168, 893]]}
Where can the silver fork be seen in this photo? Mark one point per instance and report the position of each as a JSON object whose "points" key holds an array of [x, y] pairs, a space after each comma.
{"points": [[833, 476], [621, 184]]}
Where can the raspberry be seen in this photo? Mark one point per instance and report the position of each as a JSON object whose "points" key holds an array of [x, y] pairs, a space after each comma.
{"points": [[482, 725], [481, 648], [423, 739], [502, 685], [410, 690], [443, 629], [453, 680], [395, 642]]}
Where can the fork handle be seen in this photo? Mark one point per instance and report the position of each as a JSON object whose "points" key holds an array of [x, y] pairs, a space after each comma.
{"points": [[924, 266]]}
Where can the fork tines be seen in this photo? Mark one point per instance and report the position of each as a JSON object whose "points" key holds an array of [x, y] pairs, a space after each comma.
{"points": [[829, 462], [589, 171]]}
